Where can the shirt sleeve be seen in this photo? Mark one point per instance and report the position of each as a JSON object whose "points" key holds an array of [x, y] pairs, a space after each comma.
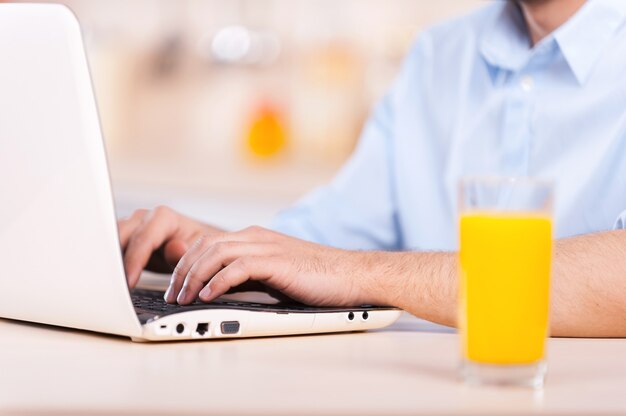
{"points": [[620, 224], [357, 209]]}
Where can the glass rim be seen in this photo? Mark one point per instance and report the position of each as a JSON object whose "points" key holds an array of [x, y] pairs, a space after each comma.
{"points": [[506, 180]]}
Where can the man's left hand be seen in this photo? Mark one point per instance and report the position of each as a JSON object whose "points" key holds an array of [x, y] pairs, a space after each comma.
{"points": [[309, 273]]}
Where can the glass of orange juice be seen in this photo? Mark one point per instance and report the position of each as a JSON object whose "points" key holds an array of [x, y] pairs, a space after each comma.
{"points": [[505, 257]]}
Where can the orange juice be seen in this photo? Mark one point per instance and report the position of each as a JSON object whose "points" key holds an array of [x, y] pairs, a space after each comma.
{"points": [[505, 279]]}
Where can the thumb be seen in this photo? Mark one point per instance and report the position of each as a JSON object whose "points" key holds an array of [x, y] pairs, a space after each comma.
{"points": [[173, 251]]}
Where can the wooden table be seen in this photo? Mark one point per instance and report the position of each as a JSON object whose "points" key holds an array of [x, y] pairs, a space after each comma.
{"points": [[409, 368]]}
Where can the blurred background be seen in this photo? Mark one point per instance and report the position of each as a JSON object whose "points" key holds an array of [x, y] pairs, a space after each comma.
{"points": [[229, 110]]}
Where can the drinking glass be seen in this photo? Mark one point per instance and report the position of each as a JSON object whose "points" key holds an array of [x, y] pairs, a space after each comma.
{"points": [[504, 283]]}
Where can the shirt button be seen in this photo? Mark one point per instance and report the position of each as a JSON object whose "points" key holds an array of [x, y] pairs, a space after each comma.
{"points": [[527, 83]]}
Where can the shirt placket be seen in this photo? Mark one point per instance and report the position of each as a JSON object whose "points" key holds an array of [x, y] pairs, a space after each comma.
{"points": [[516, 127]]}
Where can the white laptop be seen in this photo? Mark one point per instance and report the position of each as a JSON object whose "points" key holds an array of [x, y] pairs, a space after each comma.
{"points": [[59, 250]]}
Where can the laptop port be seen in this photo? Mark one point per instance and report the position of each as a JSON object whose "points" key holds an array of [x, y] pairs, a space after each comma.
{"points": [[180, 328], [351, 316], [365, 315], [230, 327], [202, 328]]}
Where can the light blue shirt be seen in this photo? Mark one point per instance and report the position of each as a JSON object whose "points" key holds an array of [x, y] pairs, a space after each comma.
{"points": [[473, 98]]}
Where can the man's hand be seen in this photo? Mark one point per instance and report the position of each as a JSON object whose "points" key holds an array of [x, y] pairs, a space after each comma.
{"points": [[157, 239], [307, 272]]}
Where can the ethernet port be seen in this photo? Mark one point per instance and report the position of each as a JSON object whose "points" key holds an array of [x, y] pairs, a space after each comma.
{"points": [[202, 328]]}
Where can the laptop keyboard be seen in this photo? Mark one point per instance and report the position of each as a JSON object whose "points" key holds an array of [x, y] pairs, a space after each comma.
{"points": [[151, 301], [150, 304]]}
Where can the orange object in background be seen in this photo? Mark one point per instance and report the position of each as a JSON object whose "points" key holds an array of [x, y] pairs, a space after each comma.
{"points": [[266, 135]]}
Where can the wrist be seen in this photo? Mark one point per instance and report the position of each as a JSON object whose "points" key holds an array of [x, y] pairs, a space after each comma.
{"points": [[381, 278], [422, 283]]}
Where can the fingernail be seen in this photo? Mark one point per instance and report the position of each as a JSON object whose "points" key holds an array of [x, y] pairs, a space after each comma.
{"points": [[168, 293], [205, 293], [182, 296]]}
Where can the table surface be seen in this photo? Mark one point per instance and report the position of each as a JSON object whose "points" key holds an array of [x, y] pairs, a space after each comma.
{"points": [[408, 368]]}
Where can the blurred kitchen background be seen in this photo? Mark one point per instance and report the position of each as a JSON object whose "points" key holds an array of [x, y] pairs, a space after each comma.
{"points": [[229, 110]]}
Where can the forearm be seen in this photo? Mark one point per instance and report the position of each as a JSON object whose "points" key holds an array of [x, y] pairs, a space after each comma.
{"points": [[588, 296], [422, 283], [589, 286]]}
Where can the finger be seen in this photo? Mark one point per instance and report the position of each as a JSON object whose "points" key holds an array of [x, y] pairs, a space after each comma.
{"points": [[213, 260], [183, 266], [251, 234], [126, 226], [156, 228], [238, 272]]}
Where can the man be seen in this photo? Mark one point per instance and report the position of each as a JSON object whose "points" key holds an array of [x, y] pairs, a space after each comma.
{"points": [[528, 87]]}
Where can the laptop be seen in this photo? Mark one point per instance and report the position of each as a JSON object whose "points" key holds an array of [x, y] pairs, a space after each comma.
{"points": [[61, 259]]}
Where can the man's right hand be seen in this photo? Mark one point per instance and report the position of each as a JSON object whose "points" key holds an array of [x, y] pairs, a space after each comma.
{"points": [[157, 239]]}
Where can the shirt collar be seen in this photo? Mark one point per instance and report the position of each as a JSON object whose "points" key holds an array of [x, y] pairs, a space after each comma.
{"points": [[584, 37], [581, 39], [504, 42]]}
